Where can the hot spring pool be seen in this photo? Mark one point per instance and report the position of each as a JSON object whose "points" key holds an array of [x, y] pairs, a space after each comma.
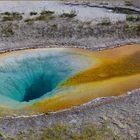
{"points": [[50, 79]]}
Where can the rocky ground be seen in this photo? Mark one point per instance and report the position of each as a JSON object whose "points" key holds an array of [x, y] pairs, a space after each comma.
{"points": [[121, 114]]}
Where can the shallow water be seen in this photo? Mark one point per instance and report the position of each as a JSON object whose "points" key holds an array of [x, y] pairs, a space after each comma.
{"points": [[42, 80], [84, 13]]}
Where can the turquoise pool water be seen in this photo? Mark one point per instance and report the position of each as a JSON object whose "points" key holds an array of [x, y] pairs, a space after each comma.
{"points": [[31, 76]]}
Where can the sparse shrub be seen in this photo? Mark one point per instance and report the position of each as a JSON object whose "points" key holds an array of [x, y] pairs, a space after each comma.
{"points": [[47, 12], [130, 18], [135, 3], [62, 131], [7, 18], [12, 16], [44, 17], [128, 3], [133, 18], [87, 132], [17, 16], [124, 10], [7, 32], [138, 29], [6, 13], [29, 21], [33, 13], [72, 14], [126, 27], [105, 21]]}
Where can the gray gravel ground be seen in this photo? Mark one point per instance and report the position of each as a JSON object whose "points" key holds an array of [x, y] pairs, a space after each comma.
{"points": [[66, 33]]}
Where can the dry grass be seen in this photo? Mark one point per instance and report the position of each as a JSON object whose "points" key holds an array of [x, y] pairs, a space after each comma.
{"points": [[12, 16], [66, 132], [7, 32]]}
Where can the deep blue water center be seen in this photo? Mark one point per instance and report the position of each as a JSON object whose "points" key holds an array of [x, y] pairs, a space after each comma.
{"points": [[34, 75], [38, 88]]}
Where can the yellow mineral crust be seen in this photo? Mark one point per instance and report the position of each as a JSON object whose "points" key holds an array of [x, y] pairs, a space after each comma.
{"points": [[117, 73]]}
